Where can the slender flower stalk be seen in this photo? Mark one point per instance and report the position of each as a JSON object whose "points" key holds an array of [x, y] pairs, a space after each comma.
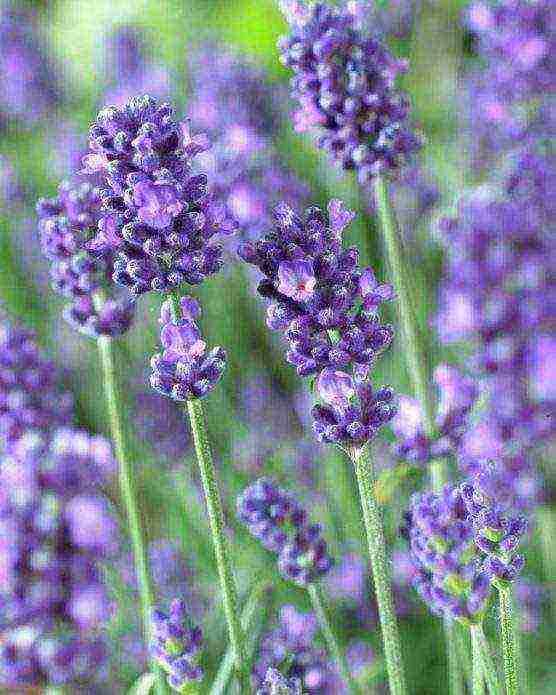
{"points": [[509, 646], [319, 606], [481, 652], [478, 682], [377, 551], [128, 491], [216, 520]]}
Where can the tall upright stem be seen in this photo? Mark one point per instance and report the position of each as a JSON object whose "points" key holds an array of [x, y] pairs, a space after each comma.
{"points": [[482, 651], [319, 606], [128, 492], [419, 371], [478, 681], [509, 646], [379, 565]]}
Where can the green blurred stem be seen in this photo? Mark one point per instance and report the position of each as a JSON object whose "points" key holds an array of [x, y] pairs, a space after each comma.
{"points": [[462, 651], [216, 522], [128, 491], [455, 673], [509, 646], [319, 606], [481, 651], [377, 552], [250, 611], [478, 681], [547, 531]]}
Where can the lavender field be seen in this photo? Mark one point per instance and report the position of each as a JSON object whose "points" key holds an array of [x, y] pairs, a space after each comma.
{"points": [[277, 347]]}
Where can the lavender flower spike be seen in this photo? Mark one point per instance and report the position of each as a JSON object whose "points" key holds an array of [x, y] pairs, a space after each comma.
{"points": [[344, 83], [183, 370], [176, 646], [276, 684], [161, 217], [274, 517]]}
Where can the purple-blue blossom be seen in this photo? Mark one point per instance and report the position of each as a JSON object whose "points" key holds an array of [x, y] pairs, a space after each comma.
{"points": [[344, 81], [273, 516], [277, 684], [185, 369]]}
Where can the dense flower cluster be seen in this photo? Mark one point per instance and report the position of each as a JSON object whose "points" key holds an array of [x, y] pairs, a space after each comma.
{"points": [[233, 103], [353, 412], [344, 82], [55, 528], [29, 397], [157, 217], [441, 539], [130, 71], [497, 535], [274, 517], [457, 395], [292, 642], [324, 304], [28, 82], [66, 225], [277, 684], [176, 646], [184, 370]]}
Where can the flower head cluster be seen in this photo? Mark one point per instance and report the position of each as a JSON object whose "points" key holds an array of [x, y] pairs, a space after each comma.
{"points": [[66, 225], [344, 82], [29, 86], [353, 412], [497, 535], [441, 539], [274, 517], [276, 684], [324, 304], [457, 394], [184, 370], [328, 310], [157, 217], [233, 103], [29, 397], [176, 646], [55, 527], [292, 642]]}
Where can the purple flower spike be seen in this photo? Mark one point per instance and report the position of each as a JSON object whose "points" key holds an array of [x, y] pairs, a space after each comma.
{"points": [[296, 280], [160, 213], [276, 684], [344, 83], [335, 388], [274, 517], [176, 646], [184, 370], [448, 574]]}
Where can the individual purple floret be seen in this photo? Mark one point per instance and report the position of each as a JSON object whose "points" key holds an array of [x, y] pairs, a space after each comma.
{"points": [[66, 225], [277, 684], [457, 395], [353, 413], [448, 576], [29, 396], [184, 369], [273, 516], [324, 304], [344, 82], [291, 646], [232, 101], [497, 535], [176, 645], [157, 216]]}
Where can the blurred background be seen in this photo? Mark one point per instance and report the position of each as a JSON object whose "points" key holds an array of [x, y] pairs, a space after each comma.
{"points": [[62, 61]]}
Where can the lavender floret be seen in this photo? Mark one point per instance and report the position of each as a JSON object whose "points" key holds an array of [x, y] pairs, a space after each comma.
{"points": [[276, 684]]}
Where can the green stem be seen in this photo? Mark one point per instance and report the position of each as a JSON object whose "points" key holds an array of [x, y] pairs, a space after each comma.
{"points": [[250, 611], [462, 650], [482, 651], [128, 492], [478, 681], [377, 552], [455, 674], [547, 531], [509, 647], [216, 520], [319, 606]]}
